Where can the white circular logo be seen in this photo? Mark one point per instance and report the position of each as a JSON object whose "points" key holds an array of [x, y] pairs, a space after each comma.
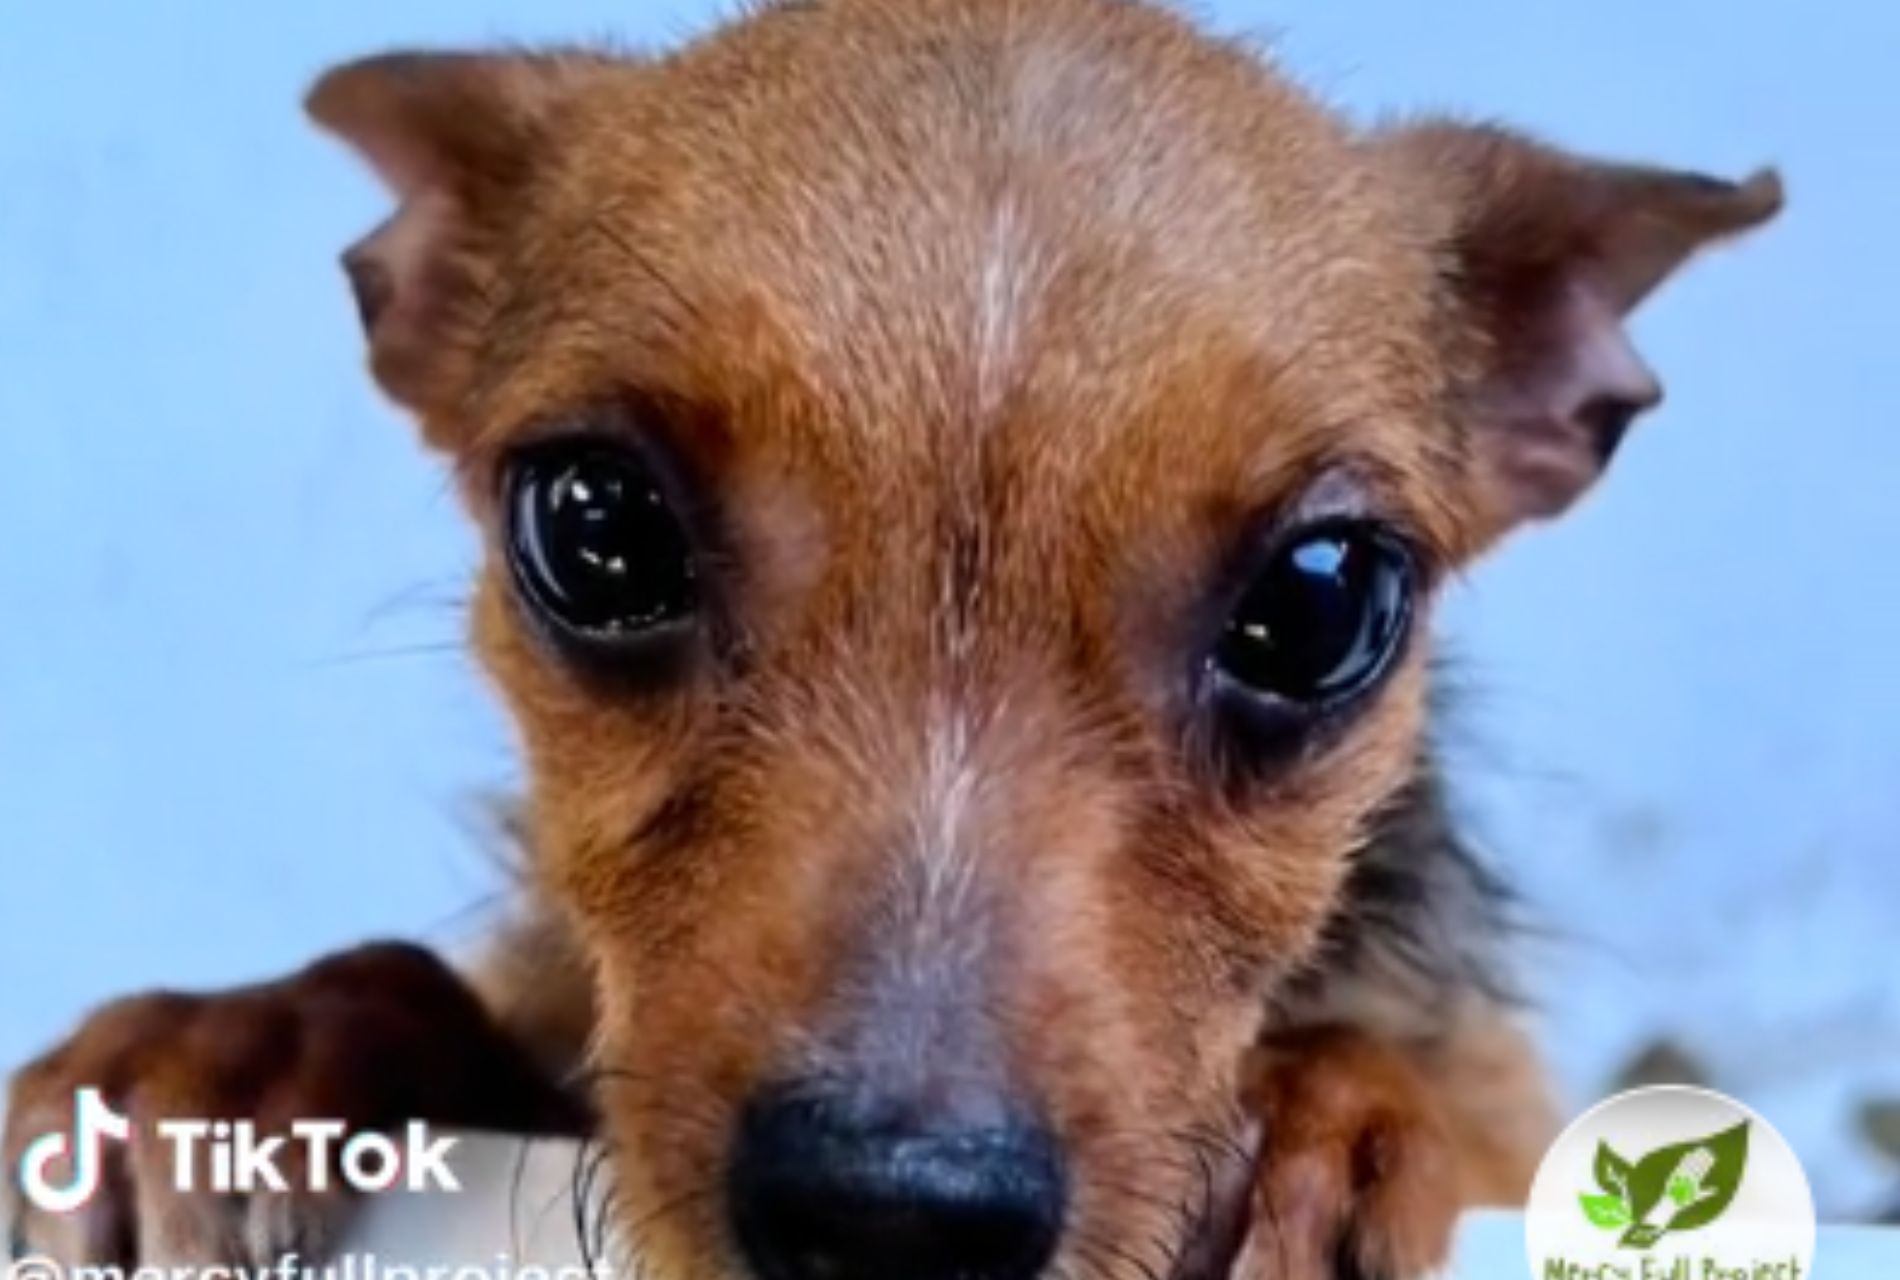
{"points": [[1670, 1183]]}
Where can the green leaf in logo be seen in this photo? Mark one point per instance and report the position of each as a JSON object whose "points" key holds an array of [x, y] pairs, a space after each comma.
{"points": [[1608, 1212], [1730, 1152], [1612, 1171], [1698, 1178]]}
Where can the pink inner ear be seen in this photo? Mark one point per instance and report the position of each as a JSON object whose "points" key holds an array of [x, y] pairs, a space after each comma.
{"points": [[389, 268], [1602, 365], [1555, 419]]}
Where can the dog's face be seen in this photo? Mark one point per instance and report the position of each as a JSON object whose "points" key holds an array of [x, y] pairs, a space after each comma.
{"points": [[963, 486]]}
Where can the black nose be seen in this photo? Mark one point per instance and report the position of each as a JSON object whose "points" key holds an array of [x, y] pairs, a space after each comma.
{"points": [[828, 1189]]}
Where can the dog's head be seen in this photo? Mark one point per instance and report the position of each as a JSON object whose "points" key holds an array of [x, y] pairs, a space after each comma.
{"points": [[964, 485]]}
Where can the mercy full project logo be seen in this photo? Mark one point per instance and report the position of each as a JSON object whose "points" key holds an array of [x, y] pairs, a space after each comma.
{"points": [[59, 1172], [1677, 1188], [1670, 1184]]}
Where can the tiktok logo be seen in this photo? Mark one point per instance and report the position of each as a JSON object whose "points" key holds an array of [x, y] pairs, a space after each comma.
{"points": [[93, 1122], [232, 1157]]}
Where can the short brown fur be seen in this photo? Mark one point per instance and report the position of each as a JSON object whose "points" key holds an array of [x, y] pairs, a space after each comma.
{"points": [[988, 332]]}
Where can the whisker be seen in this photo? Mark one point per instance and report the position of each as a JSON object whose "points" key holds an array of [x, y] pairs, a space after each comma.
{"points": [[587, 1164], [1094, 1249], [684, 1200], [516, 1178], [1140, 1195], [361, 657], [1134, 1260], [647, 267]]}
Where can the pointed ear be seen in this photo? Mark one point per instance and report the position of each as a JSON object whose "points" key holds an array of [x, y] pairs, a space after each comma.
{"points": [[455, 137], [1543, 256]]}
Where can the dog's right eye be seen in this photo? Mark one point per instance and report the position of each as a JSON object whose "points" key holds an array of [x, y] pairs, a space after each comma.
{"points": [[594, 543], [1319, 624]]}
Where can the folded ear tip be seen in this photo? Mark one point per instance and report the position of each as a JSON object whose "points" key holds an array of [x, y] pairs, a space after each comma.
{"points": [[350, 91], [1761, 195], [1714, 207], [335, 97], [319, 100]]}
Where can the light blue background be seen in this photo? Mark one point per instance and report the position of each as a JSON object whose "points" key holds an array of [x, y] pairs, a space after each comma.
{"points": [[235, 729]]}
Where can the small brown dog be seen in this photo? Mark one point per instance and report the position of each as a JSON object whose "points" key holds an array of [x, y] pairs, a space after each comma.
{"points": [[963, 482]]}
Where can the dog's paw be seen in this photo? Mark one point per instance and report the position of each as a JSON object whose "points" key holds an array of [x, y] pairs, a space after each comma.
{"points": [[373, 1038], [1357, 1178]]}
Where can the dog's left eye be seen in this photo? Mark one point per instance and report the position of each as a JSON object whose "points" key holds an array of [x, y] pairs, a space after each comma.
{"points": [[594, 543], [1321, 620]]}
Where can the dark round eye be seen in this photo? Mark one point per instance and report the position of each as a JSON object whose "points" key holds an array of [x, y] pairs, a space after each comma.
{"points": [[594, 543], [1322, 620]]}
